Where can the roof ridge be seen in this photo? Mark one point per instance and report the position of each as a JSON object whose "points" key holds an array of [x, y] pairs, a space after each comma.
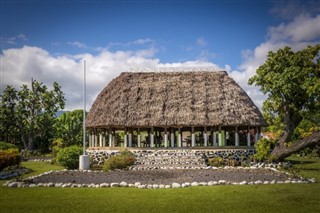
{"points": [[175, 69]]}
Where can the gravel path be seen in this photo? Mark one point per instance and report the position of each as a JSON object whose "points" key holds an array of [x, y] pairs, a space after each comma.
{"points": [[161, 176]]}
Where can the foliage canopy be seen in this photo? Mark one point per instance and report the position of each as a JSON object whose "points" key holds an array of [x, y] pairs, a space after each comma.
{"points": [[292, 82], [28, 115]]}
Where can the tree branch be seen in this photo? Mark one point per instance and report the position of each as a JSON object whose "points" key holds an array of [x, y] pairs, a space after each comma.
{"points": [[280, 153]]}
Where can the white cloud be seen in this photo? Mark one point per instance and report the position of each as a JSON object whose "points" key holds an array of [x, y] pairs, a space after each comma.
{"points": [[302, 28], [67, 70], [301, 31]]}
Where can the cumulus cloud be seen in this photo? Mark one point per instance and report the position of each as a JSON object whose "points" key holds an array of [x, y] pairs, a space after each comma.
{"points": [[67, 70], [298, 33], [302, 28]]}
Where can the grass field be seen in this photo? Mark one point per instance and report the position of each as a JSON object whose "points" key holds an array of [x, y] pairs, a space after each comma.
{"points": [[256, 198]]}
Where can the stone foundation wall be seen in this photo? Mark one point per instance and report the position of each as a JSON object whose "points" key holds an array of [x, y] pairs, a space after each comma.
{"points": [[174, 157]]}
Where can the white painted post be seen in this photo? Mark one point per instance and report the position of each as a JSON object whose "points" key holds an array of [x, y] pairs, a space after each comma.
{"points": [[205, 137], [248, 137], [179, 138], [125, 139], [193, 137], [104, 139], [96, 140], [100, 140], [139, 138], [220, 137], [236, 136], [130, 139], [90, 140], [152, 137], [165, 137], [110, 138], [172, 137]]}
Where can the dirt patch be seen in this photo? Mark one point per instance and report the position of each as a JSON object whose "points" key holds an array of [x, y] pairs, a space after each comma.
{"points": [[162, 176]]}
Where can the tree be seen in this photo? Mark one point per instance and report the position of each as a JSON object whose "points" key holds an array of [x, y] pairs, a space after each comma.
{"points": [[69, 127], [33, 111], [292, 82], [8, 127]]}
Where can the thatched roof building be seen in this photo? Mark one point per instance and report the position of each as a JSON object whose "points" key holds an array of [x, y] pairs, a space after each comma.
{"points": [[173, 99], [158, 102]]}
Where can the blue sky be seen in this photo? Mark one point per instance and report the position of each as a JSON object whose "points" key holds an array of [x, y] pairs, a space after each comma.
{"points": [[48, 40]]}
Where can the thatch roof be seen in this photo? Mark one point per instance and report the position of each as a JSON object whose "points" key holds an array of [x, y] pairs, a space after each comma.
{"points": [[173, 99]]}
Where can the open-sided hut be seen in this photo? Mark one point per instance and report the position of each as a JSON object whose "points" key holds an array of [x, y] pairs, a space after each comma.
{"points": [[155, 108]]}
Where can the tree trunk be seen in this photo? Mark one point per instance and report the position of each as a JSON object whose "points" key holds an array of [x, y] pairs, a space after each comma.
{"points": [[291, 121], [279, 153]]}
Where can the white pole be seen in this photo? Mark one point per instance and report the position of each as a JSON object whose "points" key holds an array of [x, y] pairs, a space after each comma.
{"points": [[84, 108], [84, 160]]}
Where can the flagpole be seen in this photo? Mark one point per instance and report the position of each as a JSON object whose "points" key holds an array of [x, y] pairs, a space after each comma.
{"points": [[84, 107], [84, 160]]}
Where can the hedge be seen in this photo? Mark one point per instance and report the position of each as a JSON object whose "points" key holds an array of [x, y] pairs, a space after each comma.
{"points": [[9, 157]]}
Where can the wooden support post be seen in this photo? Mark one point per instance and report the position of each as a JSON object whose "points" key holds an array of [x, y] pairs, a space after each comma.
{"points": [[214, 137], [205, 137], [125, 139], [165, 137], [236, 136], [172, 137], [179, 137], [104, 138], [110, 138], [193, 137], [95, 139], [100, 139], [130, 138], [138, 138], [248, 137], [152, 137], [90, 140], [220, 137]]}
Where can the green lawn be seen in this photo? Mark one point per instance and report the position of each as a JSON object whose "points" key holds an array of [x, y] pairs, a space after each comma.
{"points": [[258, 198]]}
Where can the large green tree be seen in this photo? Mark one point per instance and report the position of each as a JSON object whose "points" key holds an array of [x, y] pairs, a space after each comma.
{"points": [[292, 82], [8, 127], [33, 110], [69, 127]]}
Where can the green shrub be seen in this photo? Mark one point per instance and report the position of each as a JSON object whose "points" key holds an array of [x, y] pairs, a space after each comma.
{"points": [[120, 161], [310, 152], [69, 157], [5, 146], [263, 149], [57, 145], [216, 161], [9, 157]]}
